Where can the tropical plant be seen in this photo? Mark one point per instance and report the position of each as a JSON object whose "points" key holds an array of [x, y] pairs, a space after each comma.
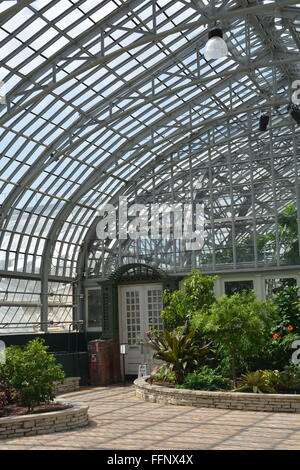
{"points": [[163, 374], [271, 381], [260, 381], [197, 294], [236, 325], [181, 351], [289, 378], [287, 304], [31, 372], [205, 378]]}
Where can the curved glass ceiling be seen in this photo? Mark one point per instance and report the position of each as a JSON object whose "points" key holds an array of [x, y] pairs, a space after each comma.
{"points": [[104, 98]]}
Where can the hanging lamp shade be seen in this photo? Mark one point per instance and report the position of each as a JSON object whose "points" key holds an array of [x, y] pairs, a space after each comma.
{"points": [[215, 47], [264, 122]]}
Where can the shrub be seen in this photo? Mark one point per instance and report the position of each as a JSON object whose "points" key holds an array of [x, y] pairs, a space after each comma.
{"points": [[287, 304], [260, 381], [163, 374], [205, 378], [271, 381], [237, 326], [197, 294], [289, 379], [181, 351], [31, 372]]}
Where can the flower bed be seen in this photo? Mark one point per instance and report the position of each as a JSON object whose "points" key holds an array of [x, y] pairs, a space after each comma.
{"points": [[287, 403], [76, 415]]}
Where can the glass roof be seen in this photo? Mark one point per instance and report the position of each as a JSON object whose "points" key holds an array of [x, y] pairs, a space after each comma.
{"points": [[102, 95]]}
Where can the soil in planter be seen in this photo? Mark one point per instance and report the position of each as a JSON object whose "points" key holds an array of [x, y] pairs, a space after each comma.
{"points": [[17, 410]]}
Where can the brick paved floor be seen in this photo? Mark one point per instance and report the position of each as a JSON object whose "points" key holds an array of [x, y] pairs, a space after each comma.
{"points": [[121, 421]]}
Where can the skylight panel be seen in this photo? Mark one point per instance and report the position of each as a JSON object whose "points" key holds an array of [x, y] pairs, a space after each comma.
{"points": [[18, 19], [32, 28], [103, 11], [57, 9], [44, 38], [80, 28], [62, 41]]}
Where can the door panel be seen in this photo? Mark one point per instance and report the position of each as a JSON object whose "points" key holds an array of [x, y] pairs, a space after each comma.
{"points": [[139, 308]]}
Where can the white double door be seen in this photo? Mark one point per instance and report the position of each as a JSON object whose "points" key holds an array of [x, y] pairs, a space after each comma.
{"points": [[139, 307]]}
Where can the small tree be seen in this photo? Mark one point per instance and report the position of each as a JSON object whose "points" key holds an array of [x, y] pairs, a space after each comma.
{"points": [[197, 294], [181, 352], [31, 372], [236, 326]]}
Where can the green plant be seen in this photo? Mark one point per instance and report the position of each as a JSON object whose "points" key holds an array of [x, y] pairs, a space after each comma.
{"points": [[271, 381], [287, 304], [179, 350], [205, 378], [31, 372], [237, 326], [163, 374], [260, 381], [197, 294], [289, 378]]}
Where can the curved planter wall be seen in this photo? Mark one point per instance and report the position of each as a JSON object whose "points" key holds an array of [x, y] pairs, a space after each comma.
{"points": [[44, 423], [231, 400]]}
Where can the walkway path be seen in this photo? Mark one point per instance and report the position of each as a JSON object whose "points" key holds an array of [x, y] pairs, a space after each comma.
{"points": [[121, 421]]}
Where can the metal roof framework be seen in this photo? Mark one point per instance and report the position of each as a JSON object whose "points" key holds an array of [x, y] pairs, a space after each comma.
{"points": [[116, 98]]}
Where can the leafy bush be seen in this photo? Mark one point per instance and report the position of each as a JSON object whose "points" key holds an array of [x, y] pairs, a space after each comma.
{"points": [[31, 372], [163, 374], [197, 294], [289, 379], [237, 326], [271, 381], [179, 350], [205, 378], [287, 304], [260, 381]]}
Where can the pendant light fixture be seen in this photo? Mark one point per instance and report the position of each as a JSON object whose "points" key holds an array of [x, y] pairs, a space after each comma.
{"points": [[215, 47], [294, 111], [264, 122]]}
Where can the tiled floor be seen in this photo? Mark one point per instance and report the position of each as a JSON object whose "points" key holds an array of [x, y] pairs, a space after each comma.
{"points": [[121, 421]]}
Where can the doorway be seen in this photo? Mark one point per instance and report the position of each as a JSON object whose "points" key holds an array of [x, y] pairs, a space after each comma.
{"points": [[139, 310]]}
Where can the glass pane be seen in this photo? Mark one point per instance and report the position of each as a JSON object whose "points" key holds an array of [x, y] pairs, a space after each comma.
{"points": [[95, 310], [272, 286], [234, 287]]}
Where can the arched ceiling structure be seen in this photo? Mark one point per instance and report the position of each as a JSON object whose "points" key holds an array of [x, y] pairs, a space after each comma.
{"points": [[116, 98]]}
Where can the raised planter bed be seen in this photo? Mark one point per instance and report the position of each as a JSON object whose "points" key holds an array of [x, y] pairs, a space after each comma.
{"points": [[43, 423], [70, 384], [231, 400]]}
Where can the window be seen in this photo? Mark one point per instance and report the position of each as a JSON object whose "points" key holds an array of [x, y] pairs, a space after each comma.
{"points": [[94, 308], [234, 287]]}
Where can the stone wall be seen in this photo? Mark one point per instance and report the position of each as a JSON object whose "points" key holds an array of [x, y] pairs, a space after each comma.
{"points": [[70, 384], [231, 400], [44, 423]]}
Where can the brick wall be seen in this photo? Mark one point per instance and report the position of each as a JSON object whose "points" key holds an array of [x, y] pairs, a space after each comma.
{"points": [[231, 400], [70, 384], [44, 423]]}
